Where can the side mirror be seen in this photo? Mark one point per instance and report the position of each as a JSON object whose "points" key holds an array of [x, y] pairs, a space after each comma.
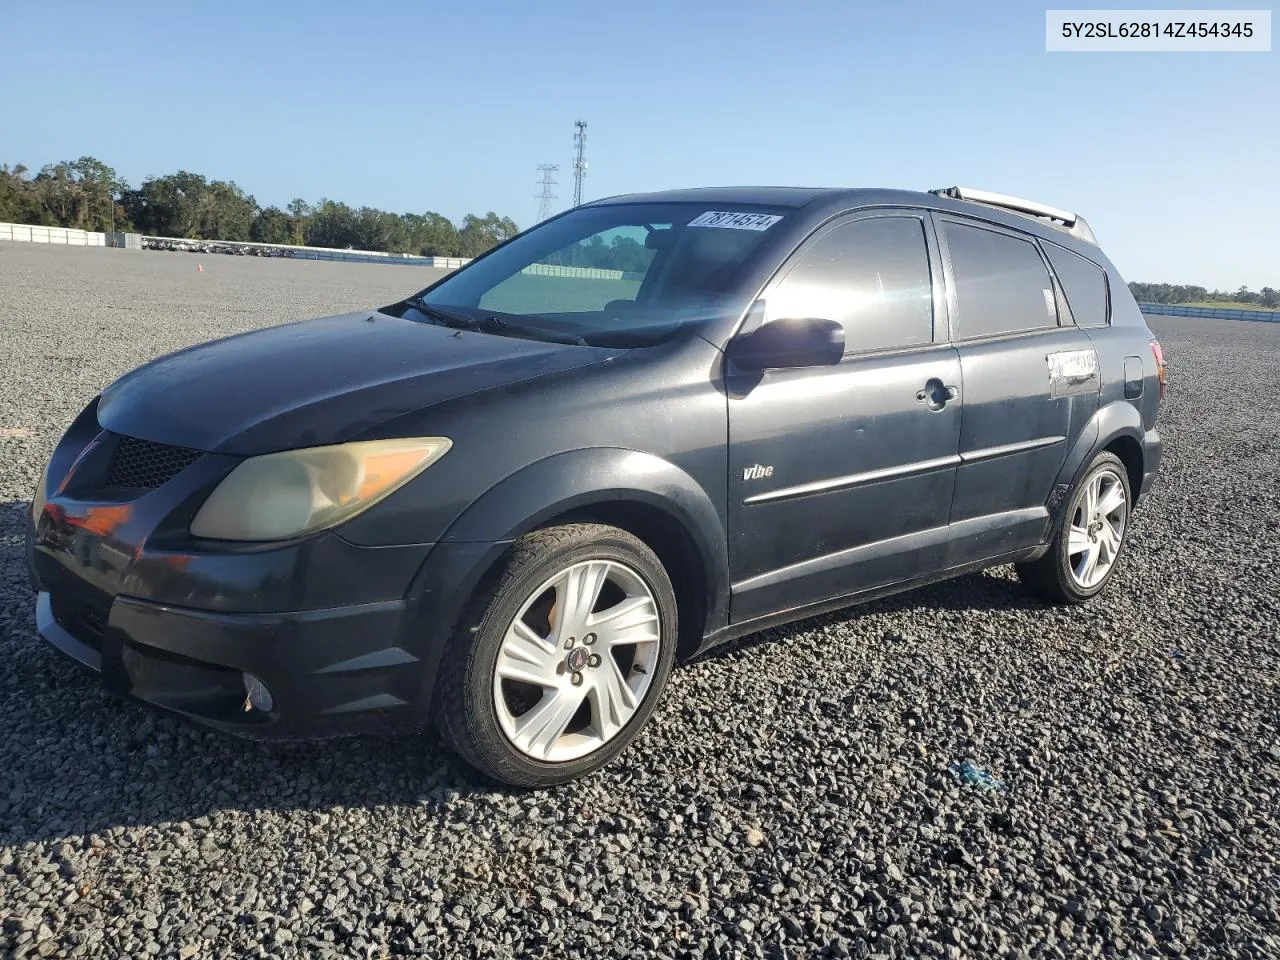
{"points": [[797, 342]]}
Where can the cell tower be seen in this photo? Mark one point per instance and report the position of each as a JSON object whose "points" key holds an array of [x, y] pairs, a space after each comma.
{"points": [[580, 161], [546, 181]]}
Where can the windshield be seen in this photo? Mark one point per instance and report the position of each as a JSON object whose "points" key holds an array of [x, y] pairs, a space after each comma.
{"points": [[614, 275]]}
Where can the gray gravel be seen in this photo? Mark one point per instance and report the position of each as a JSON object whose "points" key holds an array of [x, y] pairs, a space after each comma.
{"points": [[814, 816]]}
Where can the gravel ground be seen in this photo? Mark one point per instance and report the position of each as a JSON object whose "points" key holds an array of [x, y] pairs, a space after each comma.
{"points": [[1137, 737]]}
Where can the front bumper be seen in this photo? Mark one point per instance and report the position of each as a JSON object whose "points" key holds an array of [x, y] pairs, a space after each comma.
{"points": [[328, 672], [345, 638]]}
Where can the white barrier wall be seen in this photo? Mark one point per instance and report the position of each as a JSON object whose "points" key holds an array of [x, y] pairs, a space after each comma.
{"points": [[552, 270], [26, 233], [85, 238], [242, 247], [64, 235]]}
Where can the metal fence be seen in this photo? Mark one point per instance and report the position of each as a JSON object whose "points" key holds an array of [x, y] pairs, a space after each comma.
{"points": [[1219, 313]]}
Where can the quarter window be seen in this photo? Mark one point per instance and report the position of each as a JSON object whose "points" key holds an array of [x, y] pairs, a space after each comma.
{"points": [[870, 275], [1001, 284], [1085, 285]]}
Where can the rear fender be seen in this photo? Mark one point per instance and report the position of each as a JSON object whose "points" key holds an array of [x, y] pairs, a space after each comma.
{"points": [[1115, 420]]}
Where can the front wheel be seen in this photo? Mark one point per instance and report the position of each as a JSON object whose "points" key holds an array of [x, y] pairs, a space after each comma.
{"points": [[561, 662], [1089, 539]]}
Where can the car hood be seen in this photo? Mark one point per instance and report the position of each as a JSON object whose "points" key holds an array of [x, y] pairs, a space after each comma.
{"points": [[318, 382]]}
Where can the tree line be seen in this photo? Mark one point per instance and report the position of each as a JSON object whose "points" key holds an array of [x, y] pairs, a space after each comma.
{"points": [[620, 253], [86, 194], [1184, 293]]}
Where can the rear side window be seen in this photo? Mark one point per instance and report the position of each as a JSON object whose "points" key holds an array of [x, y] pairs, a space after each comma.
{"points": [[872, 276], [1002, 284], [1085, 284]]}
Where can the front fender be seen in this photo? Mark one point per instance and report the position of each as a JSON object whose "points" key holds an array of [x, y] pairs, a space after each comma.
{"points": [[602, 475], [559, 484]]}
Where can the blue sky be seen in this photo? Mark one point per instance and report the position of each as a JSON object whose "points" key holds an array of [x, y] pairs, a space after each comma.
{"points": [[416, 106]]}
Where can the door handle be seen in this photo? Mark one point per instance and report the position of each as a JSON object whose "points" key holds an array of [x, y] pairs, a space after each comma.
{"points": [[937, 394]]}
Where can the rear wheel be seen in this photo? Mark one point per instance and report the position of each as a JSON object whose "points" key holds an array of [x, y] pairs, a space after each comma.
{"points": [[1090, 537], [560, 664]]}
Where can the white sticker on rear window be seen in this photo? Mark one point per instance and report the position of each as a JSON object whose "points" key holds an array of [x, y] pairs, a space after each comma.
{"points": [[1050, 305], [735, 221]]}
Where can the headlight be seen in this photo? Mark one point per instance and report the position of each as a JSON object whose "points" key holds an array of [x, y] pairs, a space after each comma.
{"points": [[282, 495]]}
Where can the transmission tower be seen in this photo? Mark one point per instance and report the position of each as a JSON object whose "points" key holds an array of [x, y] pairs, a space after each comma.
{"points": [[580, 161], [546, 181]]}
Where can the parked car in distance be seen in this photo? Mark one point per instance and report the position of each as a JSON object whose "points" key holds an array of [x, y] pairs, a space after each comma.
{"points": [[511, 501]]}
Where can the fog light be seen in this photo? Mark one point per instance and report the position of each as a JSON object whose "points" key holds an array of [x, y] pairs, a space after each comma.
{"points": [[257, 696]]}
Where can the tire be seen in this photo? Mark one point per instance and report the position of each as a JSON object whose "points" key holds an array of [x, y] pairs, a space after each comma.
{"points": [[510, 678], [1063, 575]]}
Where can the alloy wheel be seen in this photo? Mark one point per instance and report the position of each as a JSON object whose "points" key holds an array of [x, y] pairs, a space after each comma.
{"points": [[577, 661], [1097, 529]]}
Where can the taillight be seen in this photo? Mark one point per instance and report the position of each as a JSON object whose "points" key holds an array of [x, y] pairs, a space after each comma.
{"points": [[1158, 353]]}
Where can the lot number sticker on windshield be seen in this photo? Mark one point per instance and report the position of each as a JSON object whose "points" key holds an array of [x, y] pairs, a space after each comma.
{"points": [[735, 221]]}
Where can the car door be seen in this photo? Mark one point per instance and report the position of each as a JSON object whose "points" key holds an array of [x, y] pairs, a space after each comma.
{"points": [[841, 477], [1030, 382]]}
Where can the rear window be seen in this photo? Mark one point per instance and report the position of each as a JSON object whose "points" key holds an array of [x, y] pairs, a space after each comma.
{"points": [[1002, 284], [1085, 284]]}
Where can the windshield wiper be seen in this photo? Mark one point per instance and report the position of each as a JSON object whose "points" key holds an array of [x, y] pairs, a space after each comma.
{"points": [[492, 323], [504, 327], [439, 316]]}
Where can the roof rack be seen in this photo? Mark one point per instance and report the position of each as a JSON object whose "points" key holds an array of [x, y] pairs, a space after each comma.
{"points": [[1073, 223]]}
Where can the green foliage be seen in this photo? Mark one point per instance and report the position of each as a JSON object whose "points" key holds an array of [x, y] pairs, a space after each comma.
{"points": [[621, 253], [18, 201], [1234, 304], [88, 195], [299, 215], [80, 194], [432, 235], [271, 225], [1267, 297], [478, 234], [185, 204], [226, 212]]}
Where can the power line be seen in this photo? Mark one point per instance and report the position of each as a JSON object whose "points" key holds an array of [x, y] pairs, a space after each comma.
{"points": [[580, 162], [547, 180]]}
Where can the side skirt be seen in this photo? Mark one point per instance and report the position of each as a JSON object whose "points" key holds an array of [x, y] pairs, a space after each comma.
{"points": [[736, 630]]}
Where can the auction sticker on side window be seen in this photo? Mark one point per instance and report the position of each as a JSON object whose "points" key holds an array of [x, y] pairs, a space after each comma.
{"points": [[735, 221]]}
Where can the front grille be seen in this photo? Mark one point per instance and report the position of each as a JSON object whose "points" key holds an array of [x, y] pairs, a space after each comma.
{"points": [[85, 621], [142, 464]]}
